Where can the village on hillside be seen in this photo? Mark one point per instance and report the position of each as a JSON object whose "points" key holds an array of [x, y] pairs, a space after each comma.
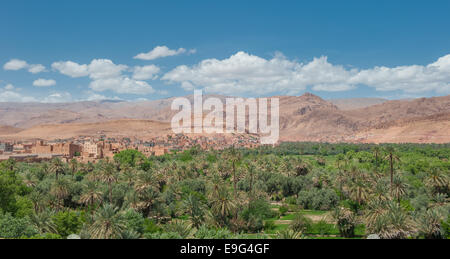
{"points": [[86, 149]]}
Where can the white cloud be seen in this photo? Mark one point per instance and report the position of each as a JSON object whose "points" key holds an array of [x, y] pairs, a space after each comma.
{"points": [[146, 72], [107, 76], [58, 98], [71, 69], [17, 64], [105, 68], [10, 96], [9, 87], [161, 52], [36, 69], [44, 82], [243, 73], [121, 85]]}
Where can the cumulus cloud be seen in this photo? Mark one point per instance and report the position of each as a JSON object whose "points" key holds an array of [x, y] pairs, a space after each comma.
{"points": [[161, 52], [36, 69], [10, 96], [44, 82], [121, 85], [243, 73], [146, 72], [9, 87], [71, 69], [106, 76], [98, 97], [17, 64], [58, 98]]}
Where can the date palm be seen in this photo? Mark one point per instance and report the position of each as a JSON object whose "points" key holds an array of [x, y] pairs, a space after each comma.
{"points": [[359, 190], [222, 205], [436, 179], [429, 224], [39, 200], [108, 223], [108, 175], [61, 190], [399, 188], [91, 195], [29, 180], [73, 167], [375, 209], [194, 207], [396, 223], [376, 152], [146, 180], [392, 158], [234, 156], [56, 167], [43, 222], [289, 234]]}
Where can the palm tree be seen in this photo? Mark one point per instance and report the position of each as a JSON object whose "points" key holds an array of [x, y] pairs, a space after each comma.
{"points": [[56, 167], [222, 205], [108, 223], [437, 180], [91, 195], [29, 180], [146, 180], [108, 175], [73, 167], [391, 157], [43, 222], [194, 207], [38, 199], [61, 190], [346, 221], [289, 234], [234, 157], [394, 223], [359, 191], [375, 209], [429, 224], [376, 152], [399, 188]]}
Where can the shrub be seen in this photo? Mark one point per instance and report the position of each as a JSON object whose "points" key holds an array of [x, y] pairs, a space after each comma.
{"points": [[11, 227], [210, 233], [283, 210], [346, 221], [68, 222], [269, 225], [318, 199], [301, 223]]}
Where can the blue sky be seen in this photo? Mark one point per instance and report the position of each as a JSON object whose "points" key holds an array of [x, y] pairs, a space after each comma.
{"points": [[336, 49]]}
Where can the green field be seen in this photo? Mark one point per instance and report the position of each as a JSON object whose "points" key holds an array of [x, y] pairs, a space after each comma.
{"points": [[295, 190]]}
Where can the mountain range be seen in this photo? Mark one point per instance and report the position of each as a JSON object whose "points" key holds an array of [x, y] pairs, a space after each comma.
{"points": [[302, 118]]}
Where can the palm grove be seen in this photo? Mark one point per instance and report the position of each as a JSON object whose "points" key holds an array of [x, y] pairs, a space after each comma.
{"points": [[295, 190]]}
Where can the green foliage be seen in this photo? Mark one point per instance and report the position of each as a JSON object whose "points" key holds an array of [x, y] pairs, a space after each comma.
{"points": [[11, 227], [134, 221], [45, 236], [300, 223], [68, 222], [211, 233], [150, 227], [318, 199], [191, 193], [283, 210], [132, 158]]}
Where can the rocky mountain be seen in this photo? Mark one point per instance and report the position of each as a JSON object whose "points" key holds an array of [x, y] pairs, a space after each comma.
{"points": [[302, 118]]}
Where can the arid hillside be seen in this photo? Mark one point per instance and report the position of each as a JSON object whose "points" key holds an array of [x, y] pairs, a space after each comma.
{"points": [[302, 118]]}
